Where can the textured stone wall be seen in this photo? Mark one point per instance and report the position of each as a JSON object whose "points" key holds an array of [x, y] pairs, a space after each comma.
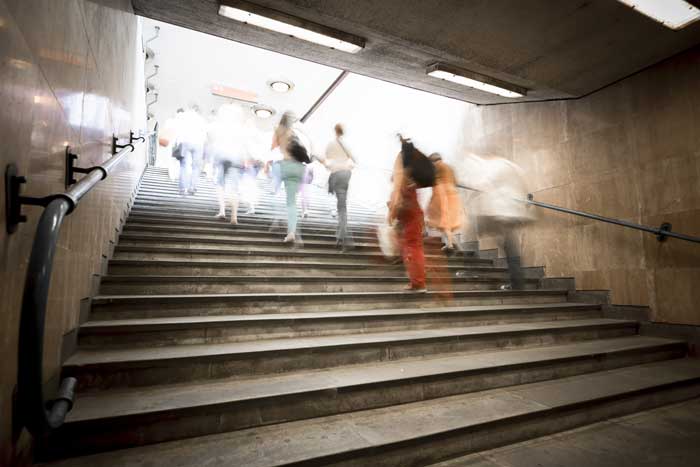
{"points": [[68, 70], [630, 151]]}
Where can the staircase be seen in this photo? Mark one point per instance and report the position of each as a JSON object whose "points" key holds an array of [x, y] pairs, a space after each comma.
{"points": [[212, 344]]}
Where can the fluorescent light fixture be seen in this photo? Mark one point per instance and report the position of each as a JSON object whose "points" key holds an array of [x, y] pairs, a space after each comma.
{"points": [[280, 86], [475, 81], [674, 14], [273, 20], [262, 111]]}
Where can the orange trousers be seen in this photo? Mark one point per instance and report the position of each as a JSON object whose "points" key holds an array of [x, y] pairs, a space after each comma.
{"points": [[411, 240]]}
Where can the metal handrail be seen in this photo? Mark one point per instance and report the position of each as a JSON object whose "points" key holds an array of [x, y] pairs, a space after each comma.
{"points": [[36, 413], [662, 232]]}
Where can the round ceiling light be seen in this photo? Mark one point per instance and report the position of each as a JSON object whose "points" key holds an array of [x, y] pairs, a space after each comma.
{"points": [[262, 111], [280, 86]]}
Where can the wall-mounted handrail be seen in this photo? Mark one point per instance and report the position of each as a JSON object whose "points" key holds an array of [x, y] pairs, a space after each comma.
{"points": [[34, 411], [662, 232]]}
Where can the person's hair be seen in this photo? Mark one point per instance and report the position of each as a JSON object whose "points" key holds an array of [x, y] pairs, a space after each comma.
{"points": [[287, 120], [339, 131], [180, 110]]}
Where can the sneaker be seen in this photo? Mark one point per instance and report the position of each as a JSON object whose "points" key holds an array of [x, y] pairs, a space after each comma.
{"points": [[221, 216], [411, 288], [289, 238]]}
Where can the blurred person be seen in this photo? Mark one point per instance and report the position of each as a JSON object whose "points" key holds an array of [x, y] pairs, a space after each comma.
{"points": [[249, 188], [340, 162], [192, 134], [226, 140], [444, 212], [499, 212], [405, 210], [208, 157], [167, 138], [304, 191], [295, 148]]}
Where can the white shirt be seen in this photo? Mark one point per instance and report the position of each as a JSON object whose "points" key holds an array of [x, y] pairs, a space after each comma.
{"points": [[190, 128], [337, 158]]}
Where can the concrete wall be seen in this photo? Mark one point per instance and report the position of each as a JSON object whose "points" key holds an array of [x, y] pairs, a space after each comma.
{"points": [[630, 151], [68, 75]]}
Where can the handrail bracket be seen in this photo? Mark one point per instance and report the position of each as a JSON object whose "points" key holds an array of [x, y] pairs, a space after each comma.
{"points": [[71, 170], [14, 200], [664, 229]]}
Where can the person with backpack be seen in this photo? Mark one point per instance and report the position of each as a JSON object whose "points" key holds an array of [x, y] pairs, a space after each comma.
{"points": [[295, 148], [412, 170], [340, 163]]}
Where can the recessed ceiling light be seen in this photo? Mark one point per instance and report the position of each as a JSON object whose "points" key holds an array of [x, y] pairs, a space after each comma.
{"points": [[290, 26], [262, 111], [475, 80], [280, 86], [674, 14]]}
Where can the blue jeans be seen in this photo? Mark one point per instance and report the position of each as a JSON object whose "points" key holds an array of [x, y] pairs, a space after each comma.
{"points": [[292, 173], [190, 166]]}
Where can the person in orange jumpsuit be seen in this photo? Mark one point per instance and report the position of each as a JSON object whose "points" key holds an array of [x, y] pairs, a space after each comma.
{"points": [[404, 209]]}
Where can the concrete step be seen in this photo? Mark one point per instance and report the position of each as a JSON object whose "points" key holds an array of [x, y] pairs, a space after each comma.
{"points": [[153, 306], [265, 222], [249, 224], [119, 419], [249, 241], [263, 211], [241, 328], [145, 249], [194, 212], [424, 432], [195, 284], [233, 236], [225, 229], [265, 203], [288, 268], [134, 366], [665, 436]]}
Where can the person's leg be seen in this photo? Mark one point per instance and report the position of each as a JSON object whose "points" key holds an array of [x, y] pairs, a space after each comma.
{"points": [[412, 248], [221, 188], [304, 199], [197, 161], [276, 176], [292, 173], [234, 180], [512, 250], [185, 168], [342, 182]]}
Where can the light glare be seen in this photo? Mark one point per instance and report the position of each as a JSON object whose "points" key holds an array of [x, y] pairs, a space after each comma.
{"points": [[464, 81], [280, 86], [674, 14], [284, 28]]}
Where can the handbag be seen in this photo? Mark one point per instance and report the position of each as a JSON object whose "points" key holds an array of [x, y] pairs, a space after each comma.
{"points": [[177, 151], [388, 240]]}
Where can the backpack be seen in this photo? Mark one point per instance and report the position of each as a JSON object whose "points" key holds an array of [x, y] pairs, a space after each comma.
{"points": [[299, 145], [417, 165]]}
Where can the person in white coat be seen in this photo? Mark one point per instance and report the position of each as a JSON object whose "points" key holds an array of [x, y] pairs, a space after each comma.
{"points": [[499, 207], [227, 144], [191, 136]]}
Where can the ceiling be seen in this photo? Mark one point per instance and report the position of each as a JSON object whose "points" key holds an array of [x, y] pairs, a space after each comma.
{"points": [[555, 49], [191, 63]]}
